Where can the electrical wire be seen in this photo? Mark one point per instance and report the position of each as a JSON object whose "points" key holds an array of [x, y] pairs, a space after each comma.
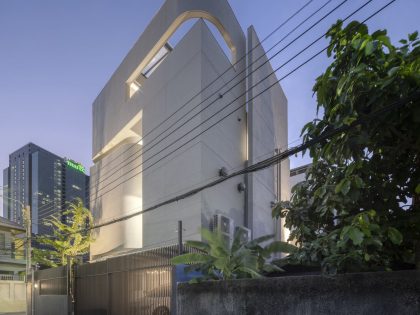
{"points": [[267, 162], [36, 223], [269, 35], [230, 113], [388, 4], [221, 75], [270, 161], [233, 169], [117, 168], [275, 159]]}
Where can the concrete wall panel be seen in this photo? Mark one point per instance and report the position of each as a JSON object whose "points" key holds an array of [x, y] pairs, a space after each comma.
{"points": [[267, 132]]}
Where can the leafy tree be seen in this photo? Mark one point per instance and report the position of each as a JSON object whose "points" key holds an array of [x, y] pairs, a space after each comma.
{"points": [[219, 259], [358, 208], [69, 238]]}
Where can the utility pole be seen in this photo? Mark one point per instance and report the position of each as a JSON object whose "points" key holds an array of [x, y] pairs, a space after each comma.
{"points": [[70, 287], [28, 228], [33, 291], [180, 237]]}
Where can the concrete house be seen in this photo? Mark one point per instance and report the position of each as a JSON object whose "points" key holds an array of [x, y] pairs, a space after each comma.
{"points": [[156, 133], [12, 267], [12, 260]]}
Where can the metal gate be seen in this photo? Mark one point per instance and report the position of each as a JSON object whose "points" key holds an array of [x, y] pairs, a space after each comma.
{"points": [[140, 283], [50, 292]]}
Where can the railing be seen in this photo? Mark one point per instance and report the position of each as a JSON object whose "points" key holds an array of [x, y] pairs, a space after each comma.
{"points": [[12, 277]]}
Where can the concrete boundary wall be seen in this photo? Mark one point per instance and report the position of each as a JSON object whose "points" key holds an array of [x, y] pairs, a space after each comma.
{"points": [[358, 293], [12, 296]]}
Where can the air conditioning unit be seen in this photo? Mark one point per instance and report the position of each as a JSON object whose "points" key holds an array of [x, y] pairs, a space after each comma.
{"points": [[223, 224], [244, 232]]}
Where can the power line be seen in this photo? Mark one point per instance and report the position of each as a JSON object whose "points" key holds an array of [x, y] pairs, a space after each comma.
{"points": [[270, 161], [375, 13], [217, 92], [233, 169], [50, 210], [257, 59], [220, 76], [211, 83], [54, 211], [230, 113]]}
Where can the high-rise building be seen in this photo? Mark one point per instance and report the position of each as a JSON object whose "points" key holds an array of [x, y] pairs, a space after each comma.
{"points": [[44, 181]]}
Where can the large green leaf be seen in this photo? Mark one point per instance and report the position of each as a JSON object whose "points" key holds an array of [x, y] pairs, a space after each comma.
{"points": [[280, 247], [417, 190], [355, 235], [371, 46], [260, 240], [395, 236], [343, 186]]}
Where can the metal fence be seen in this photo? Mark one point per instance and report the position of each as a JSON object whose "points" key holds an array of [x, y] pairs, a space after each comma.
{"points": [[8, 277], [140, 283]]}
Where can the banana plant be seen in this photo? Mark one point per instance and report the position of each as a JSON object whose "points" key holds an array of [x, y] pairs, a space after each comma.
{"points": [[219, 259]]}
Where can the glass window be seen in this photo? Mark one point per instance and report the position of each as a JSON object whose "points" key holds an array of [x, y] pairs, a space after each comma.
{"points": [[149, 69], [156, 60]]}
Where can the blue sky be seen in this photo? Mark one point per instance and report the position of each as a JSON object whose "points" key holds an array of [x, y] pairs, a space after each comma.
{"points": [[55, 56]]}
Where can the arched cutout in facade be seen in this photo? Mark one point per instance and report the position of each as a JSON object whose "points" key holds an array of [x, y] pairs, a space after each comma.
{"points": [[162, 48]]}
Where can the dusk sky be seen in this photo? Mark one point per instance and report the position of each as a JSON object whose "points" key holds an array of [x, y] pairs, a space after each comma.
{"points": [[55, 57]]}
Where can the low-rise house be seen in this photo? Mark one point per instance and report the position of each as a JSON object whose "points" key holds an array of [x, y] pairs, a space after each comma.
{"points": [[12, 267], [12, 253]]}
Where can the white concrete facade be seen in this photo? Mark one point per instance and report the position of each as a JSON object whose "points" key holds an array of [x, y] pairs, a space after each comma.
{"points": [[133, 166]]}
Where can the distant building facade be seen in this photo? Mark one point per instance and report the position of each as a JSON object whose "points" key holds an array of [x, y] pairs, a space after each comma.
{"points": [[44, 181], [12, 251], [298, 174], [132, 165]]}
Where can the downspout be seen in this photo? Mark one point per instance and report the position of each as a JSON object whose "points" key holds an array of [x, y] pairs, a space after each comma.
{"points": [[248, 211]]}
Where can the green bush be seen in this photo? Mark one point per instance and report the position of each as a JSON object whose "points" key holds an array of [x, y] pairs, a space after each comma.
{"points": [[220, 259], [359, 206]]}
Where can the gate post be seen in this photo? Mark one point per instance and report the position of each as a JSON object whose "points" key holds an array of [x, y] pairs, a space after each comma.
{"points": [[70, 298]]}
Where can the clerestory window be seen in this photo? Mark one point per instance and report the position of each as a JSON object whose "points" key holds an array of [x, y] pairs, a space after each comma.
{"points": [[150, 68]]}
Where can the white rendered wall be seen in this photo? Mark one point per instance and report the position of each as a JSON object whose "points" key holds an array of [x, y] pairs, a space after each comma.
{"points": [[121, 184], [114, 195], [267, 132], [195, 62]]}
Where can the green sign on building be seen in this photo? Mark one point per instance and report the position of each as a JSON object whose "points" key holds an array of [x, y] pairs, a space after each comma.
{"points": [[77, 166]]}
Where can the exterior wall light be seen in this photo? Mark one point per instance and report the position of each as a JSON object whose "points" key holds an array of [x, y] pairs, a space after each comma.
{"points": [[241, 187], [223, 172]]}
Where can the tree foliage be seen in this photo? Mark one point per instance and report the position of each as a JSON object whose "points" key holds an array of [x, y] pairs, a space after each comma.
{"points": [[358, 208], [69, 238], [219, 259]]}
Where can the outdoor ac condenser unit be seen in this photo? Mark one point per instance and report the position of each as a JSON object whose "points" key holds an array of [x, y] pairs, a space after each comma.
{"points": [[244, 232], [223, 224]]}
